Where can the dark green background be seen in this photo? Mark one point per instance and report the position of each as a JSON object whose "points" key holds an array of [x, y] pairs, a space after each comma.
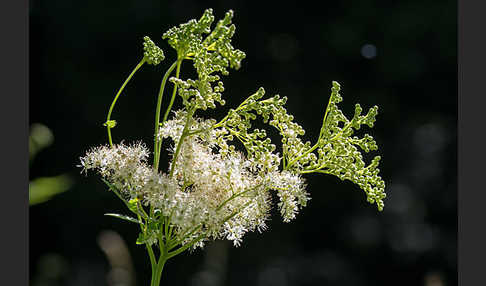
{"points": [[82, 51]]}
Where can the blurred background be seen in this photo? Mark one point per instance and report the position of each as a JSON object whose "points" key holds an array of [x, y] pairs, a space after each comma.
{"points": [[400, 56]]}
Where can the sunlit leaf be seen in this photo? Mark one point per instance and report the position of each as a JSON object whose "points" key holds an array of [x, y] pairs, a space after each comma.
{"points": [[123, 217]]}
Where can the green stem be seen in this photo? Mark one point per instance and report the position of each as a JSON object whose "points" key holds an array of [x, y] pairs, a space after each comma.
{"points": [[152, 260], [289, 164], [186, 246], [314, 171], [174, 91], [325, 117], [236, 212], [302, 156], [117, 193], [167, 111], [140, 64], [234, 196], [221, 123], [179, 144], [150, 251], [157, 115], [195, 132], [158, 272], [172, 245]]}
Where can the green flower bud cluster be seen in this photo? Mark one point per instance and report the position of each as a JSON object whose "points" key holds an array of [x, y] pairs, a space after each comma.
{"points": [[211, 55], [186, 38], [338, 153], [219, 40], [273, 112], [152, 54], [238, 124]]}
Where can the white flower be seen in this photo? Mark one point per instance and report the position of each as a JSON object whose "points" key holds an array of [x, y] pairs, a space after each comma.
{"points": [[214, 190], [291, 192]]}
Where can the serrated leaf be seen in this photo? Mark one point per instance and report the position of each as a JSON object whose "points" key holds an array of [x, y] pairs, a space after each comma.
{"points": [[123, 217]]}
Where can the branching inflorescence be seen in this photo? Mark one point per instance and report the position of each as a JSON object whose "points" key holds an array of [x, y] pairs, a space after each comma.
{"points": [[211, 189]]}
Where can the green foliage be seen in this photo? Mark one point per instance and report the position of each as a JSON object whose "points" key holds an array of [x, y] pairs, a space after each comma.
{"points": [[133, 205], [141, 239], [124, 217], [42, 189]]}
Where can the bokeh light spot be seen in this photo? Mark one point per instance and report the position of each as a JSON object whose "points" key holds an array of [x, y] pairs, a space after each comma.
{"points": [[368, 51]]}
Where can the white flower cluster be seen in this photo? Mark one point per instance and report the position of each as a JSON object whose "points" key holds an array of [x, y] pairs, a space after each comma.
{"points": [[291, 191], [233, 191], [220, 195], [123, 166]]}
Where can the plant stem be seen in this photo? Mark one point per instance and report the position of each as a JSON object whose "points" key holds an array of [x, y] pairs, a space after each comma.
{"points": [[174, 91], [179, 144], [186, 246], [157, 114], [116, 98], [158, 272], [324, 119], [302, 156], [166, 114], [152, 260]]}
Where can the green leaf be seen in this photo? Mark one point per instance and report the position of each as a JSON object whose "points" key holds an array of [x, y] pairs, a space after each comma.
{"points": [[123, 217], [114, 190], [110, 123], [141, 238], [44, 188], [132, 205], [109, 185]]}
